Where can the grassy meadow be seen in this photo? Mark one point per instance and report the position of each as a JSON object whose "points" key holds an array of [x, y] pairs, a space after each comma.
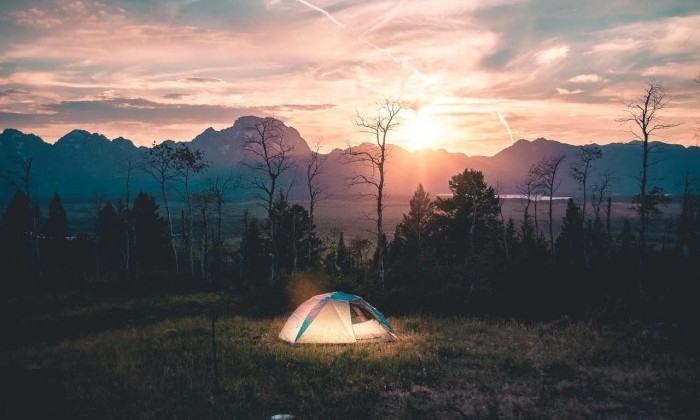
{"points": [[153, 360]]}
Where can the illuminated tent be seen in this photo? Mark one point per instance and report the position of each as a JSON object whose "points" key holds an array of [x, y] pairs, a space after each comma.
{"points": [[336, 317]]}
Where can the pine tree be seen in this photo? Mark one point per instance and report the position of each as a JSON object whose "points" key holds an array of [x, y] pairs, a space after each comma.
{"points": [[414, 228], [468, 220], [56, 230], [150, 241], [56, 226], [569, 246], [342, 256], [17, 236]]}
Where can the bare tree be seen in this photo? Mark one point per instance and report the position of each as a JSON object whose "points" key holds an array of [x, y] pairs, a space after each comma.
{"points": [[127, 165], [546, 171], [643, 115], [188, 163], [159, 163], [599, 193], [98, 200], [271, 156], [20, 178], [203, 201], [580, 172], [217, 189], [374, 160], [498, 189], [529, 192], [314, 168]]}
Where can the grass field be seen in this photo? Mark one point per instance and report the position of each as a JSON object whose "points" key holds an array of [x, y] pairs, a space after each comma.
{"points": [[161, 367]]}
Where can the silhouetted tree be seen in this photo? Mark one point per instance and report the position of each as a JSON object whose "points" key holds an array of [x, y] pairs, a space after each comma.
{"points": [[413, 229], [689, 219], [342, 255], [18, 240], [469, 218], [294, 236], [20, 177], [160, 165], [314, 168], [217, 189], [254, 259], [546, 171], [529, 192], [570, 241], [150, 236], [643, 114], [271, 157], [581, 171], [188, 163], [109, 230], [375, 158], [55, 243], [56, 226]]}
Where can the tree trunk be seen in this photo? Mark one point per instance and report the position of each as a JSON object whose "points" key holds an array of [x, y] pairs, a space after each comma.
{"points": [[380, 222], [608, 227], [551, 230], [537, 227], [643, 210], [170, 225]]}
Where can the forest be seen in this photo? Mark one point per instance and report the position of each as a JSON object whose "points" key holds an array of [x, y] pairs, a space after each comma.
{"points": [[455, 254], [156, 312]]}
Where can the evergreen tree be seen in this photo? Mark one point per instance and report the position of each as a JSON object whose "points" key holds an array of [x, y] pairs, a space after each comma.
{"points": [[569, 246], [255, 259], [149, 237], [413, 230], [342, 256], [17, 237], [109, 239], [56, 253], [626, 238], [56, 226], [468, 221], [294, 236]]}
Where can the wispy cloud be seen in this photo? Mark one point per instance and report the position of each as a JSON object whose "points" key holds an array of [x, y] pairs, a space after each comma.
{"points": [[586, 78], [552, 54], [157, 69], [569, 92]]}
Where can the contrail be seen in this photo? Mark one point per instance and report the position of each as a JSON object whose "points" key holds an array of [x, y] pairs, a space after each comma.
{"points": [[404, 63], [505, 123], [328, 15]]}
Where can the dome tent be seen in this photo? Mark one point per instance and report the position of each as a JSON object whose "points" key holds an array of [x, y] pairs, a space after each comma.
{"points": [[336, 317]]}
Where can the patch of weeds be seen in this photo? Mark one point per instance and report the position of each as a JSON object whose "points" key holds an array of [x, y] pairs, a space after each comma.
{"points": [[561, 370], [413, 326], [451, 351], [517, 365]]}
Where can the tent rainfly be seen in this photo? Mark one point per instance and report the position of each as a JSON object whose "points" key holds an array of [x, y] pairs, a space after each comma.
{"points": [[336, 317]]}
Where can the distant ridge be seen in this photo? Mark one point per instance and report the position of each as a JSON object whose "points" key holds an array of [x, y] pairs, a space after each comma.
{"points": [[81, 165]]}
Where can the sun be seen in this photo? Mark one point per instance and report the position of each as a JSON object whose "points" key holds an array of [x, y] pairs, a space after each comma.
{"points": [[421, 130]]}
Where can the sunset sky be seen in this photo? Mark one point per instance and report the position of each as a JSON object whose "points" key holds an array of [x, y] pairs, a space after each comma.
{"points": [[154, 69]]}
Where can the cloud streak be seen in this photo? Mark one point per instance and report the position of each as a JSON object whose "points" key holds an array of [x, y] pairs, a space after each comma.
{"points": [[159, 69]]}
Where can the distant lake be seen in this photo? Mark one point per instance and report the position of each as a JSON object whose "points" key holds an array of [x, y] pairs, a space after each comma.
{"points": [[517, 196]]}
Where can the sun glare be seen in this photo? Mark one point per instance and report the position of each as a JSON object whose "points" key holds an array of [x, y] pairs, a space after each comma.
{"points": [[421, 131]]}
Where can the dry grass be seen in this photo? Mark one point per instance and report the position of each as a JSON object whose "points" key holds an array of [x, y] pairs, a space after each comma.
{"points": [[439, 368]]}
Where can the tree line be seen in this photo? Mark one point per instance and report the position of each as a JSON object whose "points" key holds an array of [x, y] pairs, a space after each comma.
{"points": [[456, 254]]}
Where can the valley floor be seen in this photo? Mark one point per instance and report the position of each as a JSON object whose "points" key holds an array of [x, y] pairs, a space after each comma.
{"points": [[160, 366]]}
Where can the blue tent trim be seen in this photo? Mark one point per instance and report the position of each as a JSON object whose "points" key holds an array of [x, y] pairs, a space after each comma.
{"points": [[343, 297], [313, 313], [347, 297], [381, 318]]}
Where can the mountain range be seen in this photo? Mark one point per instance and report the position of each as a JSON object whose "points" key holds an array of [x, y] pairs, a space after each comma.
{"points": [[81, 165]]}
